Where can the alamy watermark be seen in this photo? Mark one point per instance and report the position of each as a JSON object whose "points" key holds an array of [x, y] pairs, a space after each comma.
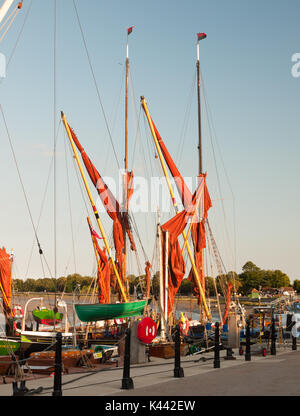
{"points": [[296, 67], [145, 195]]}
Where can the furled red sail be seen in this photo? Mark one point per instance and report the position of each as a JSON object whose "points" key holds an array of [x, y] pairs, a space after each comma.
{"points": [[5, 279], [147, 271], [110, 203], [198, 229], [198, 237], [183, 190], [103, 271], [176, 265]]}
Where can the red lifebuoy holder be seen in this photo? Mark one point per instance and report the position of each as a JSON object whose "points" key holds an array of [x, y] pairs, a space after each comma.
{"points": [[146, 330]]}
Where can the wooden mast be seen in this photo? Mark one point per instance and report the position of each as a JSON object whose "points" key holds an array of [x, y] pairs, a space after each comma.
{"points": [[144, 105], [201, 271], [126, 168], [93, 206]]}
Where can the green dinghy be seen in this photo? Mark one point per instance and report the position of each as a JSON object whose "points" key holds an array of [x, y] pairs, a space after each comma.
{"points": [[101, 312]]}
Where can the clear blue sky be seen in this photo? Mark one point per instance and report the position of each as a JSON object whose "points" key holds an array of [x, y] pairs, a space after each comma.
{"points": [[253, 98]]}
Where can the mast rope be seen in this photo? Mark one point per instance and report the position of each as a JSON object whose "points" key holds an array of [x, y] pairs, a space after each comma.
{"points": [[212, 130], [70, 207], [23, 189], [95, 82], [187, 114], [42, 206]]}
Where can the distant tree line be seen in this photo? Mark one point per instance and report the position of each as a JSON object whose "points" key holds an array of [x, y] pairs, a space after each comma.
{"points": [[251, 277]]}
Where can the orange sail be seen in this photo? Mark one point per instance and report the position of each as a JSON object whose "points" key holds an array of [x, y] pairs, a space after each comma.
{"points": [[176, 264], [5, 279], [198, 229], [183, 190], [198, 237], [147, 271], [110, 203], [103, 271]]}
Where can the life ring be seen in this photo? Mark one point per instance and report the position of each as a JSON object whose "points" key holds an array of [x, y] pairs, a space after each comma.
{"points": [[18, 311]]}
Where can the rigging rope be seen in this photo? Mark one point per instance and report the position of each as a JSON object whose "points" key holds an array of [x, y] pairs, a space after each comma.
{"points": [[23, 189], [95, 82], [212, 130]]}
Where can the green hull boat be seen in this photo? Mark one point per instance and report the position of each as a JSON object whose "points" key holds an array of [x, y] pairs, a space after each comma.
{"points": [[8, 346], [102, 312], [46, 316]]}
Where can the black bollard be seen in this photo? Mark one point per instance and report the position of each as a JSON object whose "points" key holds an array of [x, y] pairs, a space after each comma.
{"points": [[294, 343], [127, 382], [178, 371], [217, 346], [248, 345], [58, 366], [229, 354], [273, 337]]}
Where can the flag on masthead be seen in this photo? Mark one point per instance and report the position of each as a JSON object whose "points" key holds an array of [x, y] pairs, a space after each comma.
{"points": [[129, 30], [201, 36]]}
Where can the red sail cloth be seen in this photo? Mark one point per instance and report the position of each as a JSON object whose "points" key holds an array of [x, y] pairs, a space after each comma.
{"points": [[147, 271], [103, 271], [198, 237], [183, 190], [103, 276], [5, 279], [176, 265], [198, 230], [110, 203]]}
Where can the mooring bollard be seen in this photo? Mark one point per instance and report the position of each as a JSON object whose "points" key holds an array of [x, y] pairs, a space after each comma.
{"points": [[273, 337], [58, 366], [127, 382], [294, 343], [248, 345], [178, 371], [217, 346], [229, 354]]}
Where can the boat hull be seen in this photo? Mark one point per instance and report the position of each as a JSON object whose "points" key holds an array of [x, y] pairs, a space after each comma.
{"points": [[102, 312]]}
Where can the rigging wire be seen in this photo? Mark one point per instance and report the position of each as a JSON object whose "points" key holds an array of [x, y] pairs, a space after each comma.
{"points": [[42, 206], [212, 130], [54, 144], [70, 206], [23, 189], [186, 121], [95, 82]]}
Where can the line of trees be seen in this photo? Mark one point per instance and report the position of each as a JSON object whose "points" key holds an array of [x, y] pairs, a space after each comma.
{"points": [[251, 277]]}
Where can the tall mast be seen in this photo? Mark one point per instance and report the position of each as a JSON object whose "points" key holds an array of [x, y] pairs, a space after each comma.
{"points": [[125, 199], [200, 36], [202, 294]]}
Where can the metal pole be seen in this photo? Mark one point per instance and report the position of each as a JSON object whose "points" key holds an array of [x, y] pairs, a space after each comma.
{"points": [[58, 366], [248, 345], [273, 337], [127, 382], [178, 371], [217, 346]]}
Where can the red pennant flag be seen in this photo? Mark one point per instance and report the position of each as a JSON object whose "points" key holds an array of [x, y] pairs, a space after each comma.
{"points": [[129, 30], [201, 36]]}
